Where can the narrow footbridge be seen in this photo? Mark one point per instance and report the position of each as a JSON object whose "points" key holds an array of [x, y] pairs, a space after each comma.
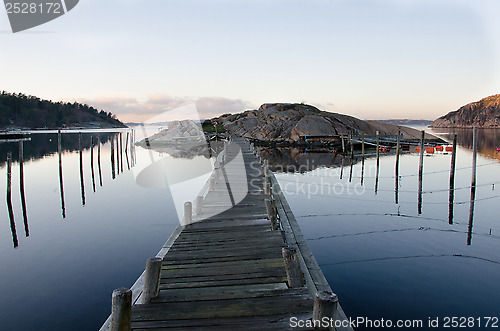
{"points": [[239, 262]]}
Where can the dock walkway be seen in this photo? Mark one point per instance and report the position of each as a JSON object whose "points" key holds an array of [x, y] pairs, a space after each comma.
{"points": [[227, 271]]}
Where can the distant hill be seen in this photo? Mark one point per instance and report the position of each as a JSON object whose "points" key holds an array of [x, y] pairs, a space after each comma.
{"points": [[406, 122], [19, 111], [484, 113]]}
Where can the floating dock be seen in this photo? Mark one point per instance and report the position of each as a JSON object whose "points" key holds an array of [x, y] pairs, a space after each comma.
{"points": [[235, 264]]}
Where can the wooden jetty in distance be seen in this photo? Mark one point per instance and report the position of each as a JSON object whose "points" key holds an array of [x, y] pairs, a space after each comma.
{"points": [[245, 268]]}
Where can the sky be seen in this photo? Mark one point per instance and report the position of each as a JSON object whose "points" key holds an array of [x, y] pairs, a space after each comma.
{"points": [[373, 59]]}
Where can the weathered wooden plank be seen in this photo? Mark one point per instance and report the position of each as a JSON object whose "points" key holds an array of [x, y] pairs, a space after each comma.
{"points": [[241, 281], [259, 323], [263, 263], [244, 307], [224, 292], [168, 278]]}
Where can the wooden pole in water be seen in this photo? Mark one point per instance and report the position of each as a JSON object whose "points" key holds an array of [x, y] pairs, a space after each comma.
{"points": [[9, 200], [343, 145], [292, 268], [121, 310], [21, 188], [352, 158], [151, 279], [472, 185], [92, 161], [421, 171], [452, 180], [61, 183], [113, 157], [378, 162], [362, 157], [188, 212], [99, 159], [271, 214], [121, 152], [82, 181], [325, 306], [396, 188], [126, 151]]}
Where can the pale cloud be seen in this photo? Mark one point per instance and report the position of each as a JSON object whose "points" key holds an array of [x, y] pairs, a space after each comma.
{"points": [[135, 110]]}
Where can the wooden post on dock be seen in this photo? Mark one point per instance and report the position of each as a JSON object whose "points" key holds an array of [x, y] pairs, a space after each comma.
{"points": [[362, 157], [188, 212], [9, 200], [121, 310], [151, 279], [198, 205], [271, 214], [325, 306], [396, 188], [452, 180], [472, 185], [378, 162], [421, 172], [61, 183], [266, 186], [292, 267]]}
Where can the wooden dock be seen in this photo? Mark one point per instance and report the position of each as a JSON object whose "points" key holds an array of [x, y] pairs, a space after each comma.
{"points": [[227, 271]]}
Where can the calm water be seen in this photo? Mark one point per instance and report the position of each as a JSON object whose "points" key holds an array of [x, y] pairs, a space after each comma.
{"points": [[384, 259], [61, 276]]}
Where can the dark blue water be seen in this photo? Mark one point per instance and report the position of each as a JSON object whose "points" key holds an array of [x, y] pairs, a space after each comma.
{"points": [[382, 258], [62, 275]]}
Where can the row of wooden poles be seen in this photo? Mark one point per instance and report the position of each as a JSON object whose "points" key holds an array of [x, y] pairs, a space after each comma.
{"points": [[21, 190], [118, 164], [325, 303], [117, 139]]}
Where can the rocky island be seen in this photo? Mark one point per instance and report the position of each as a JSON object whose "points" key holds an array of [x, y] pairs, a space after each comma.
{"points": [[289, 123], [484, 113], [20, 111]]}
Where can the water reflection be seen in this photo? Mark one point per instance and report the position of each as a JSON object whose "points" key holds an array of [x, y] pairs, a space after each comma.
{"points": [[488, 140], [51, 144]]}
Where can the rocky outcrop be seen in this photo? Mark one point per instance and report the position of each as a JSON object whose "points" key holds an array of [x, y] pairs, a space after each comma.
{"points": [[484, 113], [287, 122]]}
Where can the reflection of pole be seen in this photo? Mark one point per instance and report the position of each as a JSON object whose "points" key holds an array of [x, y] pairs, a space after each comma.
{"points": [[421, 172], [121, 152], [92, 161], [82, 184], [342, 166], [99, 159], [21, 188], [396, 185], [378, 162], [61, 186], [113, 157], [126, 151], [9, 200], [472, 185], [362, 157], [452, 179]]}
